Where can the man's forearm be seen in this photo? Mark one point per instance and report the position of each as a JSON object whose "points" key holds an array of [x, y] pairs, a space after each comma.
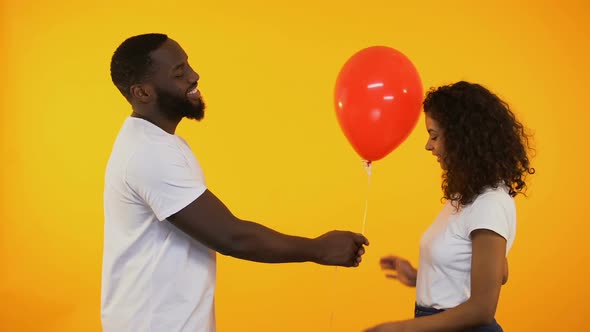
{"points": [[258, 243]]}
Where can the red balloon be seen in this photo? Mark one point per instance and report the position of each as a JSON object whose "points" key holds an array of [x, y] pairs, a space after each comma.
{"points": [[378, 98]]}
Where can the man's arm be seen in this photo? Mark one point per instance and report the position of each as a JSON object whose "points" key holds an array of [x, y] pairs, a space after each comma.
{"points": [[210, 222]]}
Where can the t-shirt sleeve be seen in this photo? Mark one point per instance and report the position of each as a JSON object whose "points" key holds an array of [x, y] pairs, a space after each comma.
{"points": [[164, 179], [490, 212]]}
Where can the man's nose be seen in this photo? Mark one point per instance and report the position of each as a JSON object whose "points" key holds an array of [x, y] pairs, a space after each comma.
{"points": [[194, 76]]}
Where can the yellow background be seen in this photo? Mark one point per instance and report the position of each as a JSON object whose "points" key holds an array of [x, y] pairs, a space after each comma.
{"points": [[271, 148]]}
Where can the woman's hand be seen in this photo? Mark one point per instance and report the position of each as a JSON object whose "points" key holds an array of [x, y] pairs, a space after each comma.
{"points": [[400, 269]]}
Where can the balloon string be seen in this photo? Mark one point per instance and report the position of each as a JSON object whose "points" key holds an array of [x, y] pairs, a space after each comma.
{"points": [[368, 169], [332, 313], [334, 288]]}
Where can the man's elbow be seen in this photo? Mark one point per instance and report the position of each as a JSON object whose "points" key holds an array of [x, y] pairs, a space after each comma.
{"points": [[228, 245], [225, 249], [231, 239], [236, 245]]}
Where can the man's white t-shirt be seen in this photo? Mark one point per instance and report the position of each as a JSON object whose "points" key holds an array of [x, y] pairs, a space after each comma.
{"points": [[155, 278], [444, 270]]}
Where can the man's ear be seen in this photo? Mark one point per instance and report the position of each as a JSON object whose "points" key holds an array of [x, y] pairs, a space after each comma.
{"points": [[144, 93]]}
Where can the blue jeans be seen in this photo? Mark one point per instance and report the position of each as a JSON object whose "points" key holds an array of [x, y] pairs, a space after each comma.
{"points": [[422, 311]]}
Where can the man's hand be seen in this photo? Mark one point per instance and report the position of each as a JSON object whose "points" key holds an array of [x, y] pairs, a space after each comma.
{"points": [[340, 248]]}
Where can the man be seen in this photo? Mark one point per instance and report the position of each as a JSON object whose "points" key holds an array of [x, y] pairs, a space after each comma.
{"points": [[162, 225]]}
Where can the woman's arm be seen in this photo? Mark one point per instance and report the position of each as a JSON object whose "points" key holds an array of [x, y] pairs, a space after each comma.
{"points": [[505, 277], [487, 272]]}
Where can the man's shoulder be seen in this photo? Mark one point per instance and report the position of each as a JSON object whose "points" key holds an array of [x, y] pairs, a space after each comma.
{"points": [[153, 154]]}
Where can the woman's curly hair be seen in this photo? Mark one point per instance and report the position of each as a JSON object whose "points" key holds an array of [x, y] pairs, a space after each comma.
{"points": [[485, 145]]}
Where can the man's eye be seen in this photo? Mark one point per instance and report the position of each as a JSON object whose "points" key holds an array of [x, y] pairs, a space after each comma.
{"points": [[434, 138], [179, 74]]}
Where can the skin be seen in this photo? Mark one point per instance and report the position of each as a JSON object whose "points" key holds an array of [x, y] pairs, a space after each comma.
{"points": [[207, 219], [489, 271]]}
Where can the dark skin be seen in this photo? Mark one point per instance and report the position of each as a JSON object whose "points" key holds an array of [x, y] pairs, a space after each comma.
{"points": [[207, 219], [400, 269]]}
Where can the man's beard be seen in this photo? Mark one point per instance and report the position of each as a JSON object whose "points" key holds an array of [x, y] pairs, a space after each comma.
{"points": [[175, 107]]}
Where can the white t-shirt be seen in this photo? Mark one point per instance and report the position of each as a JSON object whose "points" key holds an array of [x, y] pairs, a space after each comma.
{"points": [[444, 270], [155, 278]]}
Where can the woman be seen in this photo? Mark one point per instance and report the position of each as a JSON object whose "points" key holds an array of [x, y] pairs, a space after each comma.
{"points": [[482, 150]]}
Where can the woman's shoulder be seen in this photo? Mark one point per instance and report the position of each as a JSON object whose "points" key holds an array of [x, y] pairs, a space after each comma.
{"points": [[499, 195]]}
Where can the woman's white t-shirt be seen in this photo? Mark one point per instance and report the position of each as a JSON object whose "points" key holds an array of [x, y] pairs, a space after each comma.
{"points": [[444, 270]]}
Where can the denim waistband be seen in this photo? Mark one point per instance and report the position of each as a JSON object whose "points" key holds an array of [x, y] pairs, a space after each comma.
{"points": [[424, 311], [420, 311]]}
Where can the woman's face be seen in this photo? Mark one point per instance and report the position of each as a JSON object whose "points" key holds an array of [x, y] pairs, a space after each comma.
{"points": [[435, 143]]}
